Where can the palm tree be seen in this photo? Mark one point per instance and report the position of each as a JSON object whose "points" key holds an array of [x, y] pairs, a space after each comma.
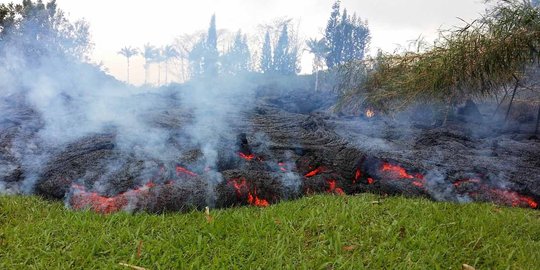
{"points": [[169, 52], [128, 52], [319, 49], [149, 53]]}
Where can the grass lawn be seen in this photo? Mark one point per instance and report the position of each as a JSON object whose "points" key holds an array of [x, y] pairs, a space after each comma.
{"points": [[319, 232]]}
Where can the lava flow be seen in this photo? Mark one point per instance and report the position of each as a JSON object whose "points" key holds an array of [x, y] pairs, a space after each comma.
{"points": [[82, 199], [357, 176], [241, 188], [502, 196], [332, 187], [183, 170], [247, 157], [398, 172], [315, 172]]}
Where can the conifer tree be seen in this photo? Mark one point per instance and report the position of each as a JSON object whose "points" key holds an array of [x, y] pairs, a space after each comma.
{"points": [[281, 52], [211, 52], [332, 35], [266, 58], [237, 59]]}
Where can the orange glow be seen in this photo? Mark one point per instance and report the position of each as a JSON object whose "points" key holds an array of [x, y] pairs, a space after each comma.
{"points": [[501, 195], [256, 201], [370, 113], [248, 157], [418, 184], [370, 181], [397, 171], [241, 188], [83, 199], [315, 172], [357, 176], [184, 171], [332, 187]]}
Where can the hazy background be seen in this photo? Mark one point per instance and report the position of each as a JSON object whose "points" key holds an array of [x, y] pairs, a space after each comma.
{"points": [[119, 23]]}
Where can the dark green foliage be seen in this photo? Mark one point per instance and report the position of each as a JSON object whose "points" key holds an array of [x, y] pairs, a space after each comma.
{"points": [[332, 37], [346, 37], [40, 29]]}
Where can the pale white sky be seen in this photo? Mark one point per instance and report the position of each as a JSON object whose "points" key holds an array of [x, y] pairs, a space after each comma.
{"points": [[117, 23]]}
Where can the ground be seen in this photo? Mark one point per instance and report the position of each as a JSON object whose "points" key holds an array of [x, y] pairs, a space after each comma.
{"points": [[316, 232]]}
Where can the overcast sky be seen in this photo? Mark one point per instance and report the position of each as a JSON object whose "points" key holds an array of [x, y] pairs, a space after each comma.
{"points": [[117, 23]]}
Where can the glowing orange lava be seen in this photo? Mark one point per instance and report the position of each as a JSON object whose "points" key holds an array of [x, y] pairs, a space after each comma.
{"points": [[332, 187], [315, 172], [500, 195], [82, 199], [357, 176], [184, 171], [248, 157], [241, 188]]}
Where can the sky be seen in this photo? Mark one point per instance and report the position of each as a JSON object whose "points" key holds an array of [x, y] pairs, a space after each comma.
{"points": [[118, 23]]}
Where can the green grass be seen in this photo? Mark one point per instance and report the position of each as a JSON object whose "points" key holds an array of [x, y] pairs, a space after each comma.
{"points": [[320, 232]]}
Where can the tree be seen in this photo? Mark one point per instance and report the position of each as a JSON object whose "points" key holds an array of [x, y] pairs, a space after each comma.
{"points": [[149, 53], [319, 50], [332, 36], [169, 52], [196, 58], [266, 58], [237, 59], [128, 52], [38, 29], [346, 37], [285, 54], [204, 56], [211, 54]]}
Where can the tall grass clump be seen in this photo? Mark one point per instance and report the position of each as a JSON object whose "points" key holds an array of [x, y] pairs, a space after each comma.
{"points": [[474, 61]]}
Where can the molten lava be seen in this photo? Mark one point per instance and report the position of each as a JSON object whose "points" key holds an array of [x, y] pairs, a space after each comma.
{"points": [[82, 199], [242, 188], [256, 201], [396, 171], [357, 176], [513, 198], [499, 195], [247, 157], [332, 187], [183, 170], [370, 113], [315, 172]]}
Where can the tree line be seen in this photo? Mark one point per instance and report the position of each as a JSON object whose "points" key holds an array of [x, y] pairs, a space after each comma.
{"points": [[346, 38], [36, 29]]}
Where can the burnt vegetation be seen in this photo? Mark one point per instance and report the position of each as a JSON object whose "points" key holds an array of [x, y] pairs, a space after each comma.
{"points": [[233, 135]]}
